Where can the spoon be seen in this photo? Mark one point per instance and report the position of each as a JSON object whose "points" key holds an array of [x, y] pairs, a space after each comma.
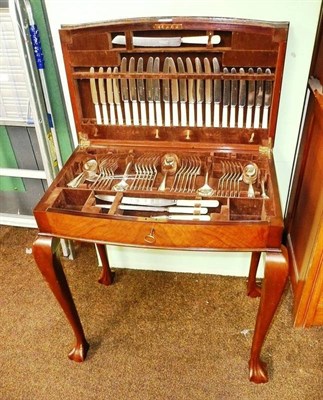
{"points": [[206, 190], [250, 173], [169, 163], [89, 168]]}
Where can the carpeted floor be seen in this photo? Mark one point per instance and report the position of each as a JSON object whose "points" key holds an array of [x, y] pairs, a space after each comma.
{"points": [[153, 335]]}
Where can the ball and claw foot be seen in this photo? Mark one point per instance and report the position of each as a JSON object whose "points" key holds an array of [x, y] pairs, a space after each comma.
{"points": [[258, 371], [78, 353]]}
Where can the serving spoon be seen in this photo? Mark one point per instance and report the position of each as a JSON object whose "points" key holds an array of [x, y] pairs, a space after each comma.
{"points": [[89, 169]]}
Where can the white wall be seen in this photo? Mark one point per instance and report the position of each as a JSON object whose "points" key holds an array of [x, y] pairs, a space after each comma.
{"points": [[303, 17]]}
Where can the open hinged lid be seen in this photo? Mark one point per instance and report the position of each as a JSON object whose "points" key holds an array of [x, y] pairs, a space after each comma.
{"points": [[189, 80]]}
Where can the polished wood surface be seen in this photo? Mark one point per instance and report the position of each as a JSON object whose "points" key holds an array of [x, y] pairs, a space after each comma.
{"points": [[240, 222]]}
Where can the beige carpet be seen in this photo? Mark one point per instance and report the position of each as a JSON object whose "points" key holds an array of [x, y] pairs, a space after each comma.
{"points": [[153, 335]]}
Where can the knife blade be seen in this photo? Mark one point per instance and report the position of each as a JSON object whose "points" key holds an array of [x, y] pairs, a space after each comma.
{"points": [[125, 92], [116, 94], [182, 92], [267, 101], [217, 93], [150, 93], [175, 94], [110, 98], [166, 41], [191, 94], [208, 93], [159, 202], [259, 99], [94, 95], [133, 93], [199, 93], [226, 99], [141, 92], [170, 209], [156, 90], [251, 99], [242, 99], [234, 99], [103, 98], [166, 93]]}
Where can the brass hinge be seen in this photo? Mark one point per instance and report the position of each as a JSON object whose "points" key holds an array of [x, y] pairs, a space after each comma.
{"points": [[265, 151], [84, 140]]}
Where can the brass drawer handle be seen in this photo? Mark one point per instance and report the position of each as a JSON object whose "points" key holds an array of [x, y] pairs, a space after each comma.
{"points": [[150, 238]]}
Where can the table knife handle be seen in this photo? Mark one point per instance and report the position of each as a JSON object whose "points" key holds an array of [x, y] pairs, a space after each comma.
{"points": [[119, 114], [191, 114], [225, 117], [143, 115], [167, 113], [208, 114], [175, 114], [232, 117], [151, 113], [159, 117], [240, 117], [135, 113], [105, 115], [249, 117], [256, 118], [183, 114], [265, 118], [199, 117], [112, 115], [216, 121], [98, 114], [127, 112]]}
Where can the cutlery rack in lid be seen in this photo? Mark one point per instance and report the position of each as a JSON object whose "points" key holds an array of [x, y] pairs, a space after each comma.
{"points": [[189, 80]]}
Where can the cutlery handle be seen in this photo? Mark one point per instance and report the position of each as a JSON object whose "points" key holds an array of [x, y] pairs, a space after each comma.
{"points": [[225, 117], [98, 114], [265, 118], [199, 116], [127, 112], [159, 117], [183, 217], [191, 114], [167, 114], [249, 117], [199, 203], [135, 113], [216, 121], [151, 113], [240, 117], [187, 210], [112, 115], [256, 118], [105, 114], [143, 113], [119, 113], [183, 114], [175, 114], [208, 114], [232, 117]]}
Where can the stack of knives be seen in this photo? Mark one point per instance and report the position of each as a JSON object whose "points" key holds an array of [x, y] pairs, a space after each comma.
{"points": [[232, 98]]}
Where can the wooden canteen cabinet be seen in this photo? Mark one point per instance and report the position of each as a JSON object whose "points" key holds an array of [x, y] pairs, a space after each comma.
{"points": [[176, 120]]}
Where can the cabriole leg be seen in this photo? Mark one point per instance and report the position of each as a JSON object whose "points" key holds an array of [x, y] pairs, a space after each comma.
{"points": [[106, 277], [276, 272], [253, 290], [50, 266]]}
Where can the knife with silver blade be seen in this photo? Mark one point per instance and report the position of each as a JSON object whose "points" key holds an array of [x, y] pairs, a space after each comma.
{"points": [[124, 92], [170, 209], [251, 99], [166, 41], [259, 100], [199, 93], [208, 93], [103, 98], [191, 94], [94, 95], [110, 98], [175, 94], [166, 93], [141, 92], [267, 102], [116, 94], [217, 93], [182, 92], [226, 99], [159, 202], [242, 99], [157, 96], [133, 93], [150, 93], [234, 99]]}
